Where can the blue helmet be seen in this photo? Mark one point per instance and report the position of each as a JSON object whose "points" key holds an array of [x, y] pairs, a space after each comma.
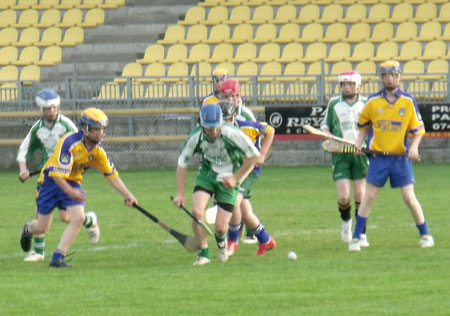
{"points": [[93, 117], [392, 66], [47, 98], [211, 116]]}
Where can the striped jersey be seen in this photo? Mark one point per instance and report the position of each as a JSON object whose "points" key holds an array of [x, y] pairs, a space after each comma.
{"points": [[390, 123], [223, 156], [71, 158], [44, 138], [242, 112]]}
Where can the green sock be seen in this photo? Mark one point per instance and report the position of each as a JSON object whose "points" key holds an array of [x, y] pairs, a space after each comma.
{"points": [[87, 221], [221, 241], [204, 252], [39, 245]]}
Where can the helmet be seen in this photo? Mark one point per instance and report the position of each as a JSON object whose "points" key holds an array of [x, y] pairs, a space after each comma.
{"points": [[47, 98], [211, 116], [93, 117], [230, 86], [390, 66], [350, 76], [228, 109], [219, 74]]}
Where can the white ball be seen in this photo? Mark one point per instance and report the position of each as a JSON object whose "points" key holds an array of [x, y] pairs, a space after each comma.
{"points": [[292, 255]]}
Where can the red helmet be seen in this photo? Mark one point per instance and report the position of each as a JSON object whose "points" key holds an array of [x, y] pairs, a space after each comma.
{"points": [[230, 86]]}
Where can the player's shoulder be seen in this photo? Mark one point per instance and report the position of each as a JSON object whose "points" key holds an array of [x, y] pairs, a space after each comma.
{"points": [[67, 122], [334, 100]]}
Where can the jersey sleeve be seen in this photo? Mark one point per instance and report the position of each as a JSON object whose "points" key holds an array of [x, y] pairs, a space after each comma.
{"points": [[61, 163], [189, 148], [28, 146], [416, 126], [364, 117], [104, 165]]}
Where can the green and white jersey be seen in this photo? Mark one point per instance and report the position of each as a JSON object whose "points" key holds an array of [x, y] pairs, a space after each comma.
{"points": [[223, 156], [341, 118], [43, 138], [243, 113]]}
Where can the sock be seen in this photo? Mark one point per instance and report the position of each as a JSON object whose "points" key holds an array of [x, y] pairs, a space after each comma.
{"points": [[56, 256], [423, 229], [344, 209], [360, 223], [39, 245], [204, 252], [233, 232], [261, 234], [87, 221], [357, 204], [221, 241], [248, 231]]}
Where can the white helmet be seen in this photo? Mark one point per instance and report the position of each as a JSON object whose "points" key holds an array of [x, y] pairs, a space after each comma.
{"points": [[350, 76], [47, 98]]}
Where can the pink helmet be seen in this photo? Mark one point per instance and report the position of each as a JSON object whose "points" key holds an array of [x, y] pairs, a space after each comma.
{"points": [[230, 86]]}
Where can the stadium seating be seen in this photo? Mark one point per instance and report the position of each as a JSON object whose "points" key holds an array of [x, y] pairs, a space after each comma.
{"points": [[446, 34], [29, 36], [176, 53], [174, 34], [386, 51], [28, 55], [261, 15], [265, 33], [217, 15], [332, 13], [413, 69], [335, 32], [355, 13], [68, 4], [434, 50], [49, 18], [72, 17], [293, 71], [221, 53], [308, 14], [194, 15], [46, 4], [199, 53], [27, 18], [429, 31], [50, 56], [24, 4], [9, 73], [219, 33], [8, 36], [7, 4], [338, 52], [130, 70], [425, 12], [410, 50], [367, 69], [50, 36], [110, 90], [93, 18], [401, 13], [270, 71], [30, 74], [153, 72], [196, 34], [72, 37], [7, 18], [362, 51], [228, 66], [378, 13], [90, 4], [444, 13], [285, 14], [8, 91], [359, 32], [289, 32], [156, 91], [204, 71], [315, 52], [244, 53], [177, 71], [153, 53], [436, 69], [382, 32], [268, 53], [8, 55], [247, 70], [311, 33], [406, 31], [241, 34], [291, 52], [239, 14]]}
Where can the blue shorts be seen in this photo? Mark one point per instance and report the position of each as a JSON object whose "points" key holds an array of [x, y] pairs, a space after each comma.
{"points": [[397, 168], [50, 195]]}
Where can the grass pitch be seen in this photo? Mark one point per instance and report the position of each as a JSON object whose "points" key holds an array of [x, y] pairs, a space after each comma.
{"points": [[139, 269]]}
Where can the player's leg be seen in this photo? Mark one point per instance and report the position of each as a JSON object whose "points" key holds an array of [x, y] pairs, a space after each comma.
{"points": [[343, 187], [38, 227], [38, 254], [358, 189], [235, 227], [200, 201], [246, 186]]}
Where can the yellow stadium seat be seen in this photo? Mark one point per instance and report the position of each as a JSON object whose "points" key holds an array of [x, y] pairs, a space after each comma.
{"points": [[52, 55], [293, 71], [434, 50], [196, 34], [270, 71], [269, 52], [362, 51], [112, 4], [199, 53], [291, 52], [29, 36], [72, 17], [93, 18], [335, 32], [179, 90], [430, 31], [239, 14], [251, 2], [50, 36], [24, 4], [7, 4], [406, 31], [271, 92], [410, 50], [378, 13], [8, 91], [156, 91], [386, 51], [338, 52], [245, 52], [8, 36], [46, 4], [315, 52], [402, 12], [217, 15], [131, 70], [242, 33], [311, 33], [218, 34], [68, 4], [288, 33], [228, 66], [246, 71], [27, 18], [222, 53], [153, 72], [174, 34], [8, 55], [177, 72], [308, 14], [413, 69], [204, 71], [30, 74], [438, 66], [359, 32], [50, 18], [425, 12], [355, 13], [338, 68], [72, 36], [299, 2], [153, 53], [298, 92], [445, 35], [392, 1], [175, 53], [285, 14], [262, 14], [9, 73], [110, 90], [382, 32], [331, 14], [315, 69], [29, 55], [137, 91], [194, 15], [265, 33], [444, 13], [367, 69], [7, 18], [90, 4]]}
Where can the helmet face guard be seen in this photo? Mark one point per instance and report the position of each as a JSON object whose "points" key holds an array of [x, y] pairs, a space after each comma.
{"points": [[211, 116], [219, 75], [390, 66], [228, 109], [47, 98]]}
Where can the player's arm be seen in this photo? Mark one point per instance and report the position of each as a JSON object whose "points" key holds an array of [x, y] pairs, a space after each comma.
{"points": [[181, 180], [363, 132], [26, 149], [249, 163], [74, 194], [265, 146], [413, 152], [120, 187]]}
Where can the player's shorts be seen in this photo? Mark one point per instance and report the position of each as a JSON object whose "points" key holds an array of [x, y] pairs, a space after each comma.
{"points": [[50, 196], [38, 188], [207, 179], [247, 185], [398, 169], [349, 166]]}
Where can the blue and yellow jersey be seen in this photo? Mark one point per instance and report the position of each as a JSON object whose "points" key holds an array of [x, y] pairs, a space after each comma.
{"points": [[390, 123], [211, 98], [71, 158]]}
